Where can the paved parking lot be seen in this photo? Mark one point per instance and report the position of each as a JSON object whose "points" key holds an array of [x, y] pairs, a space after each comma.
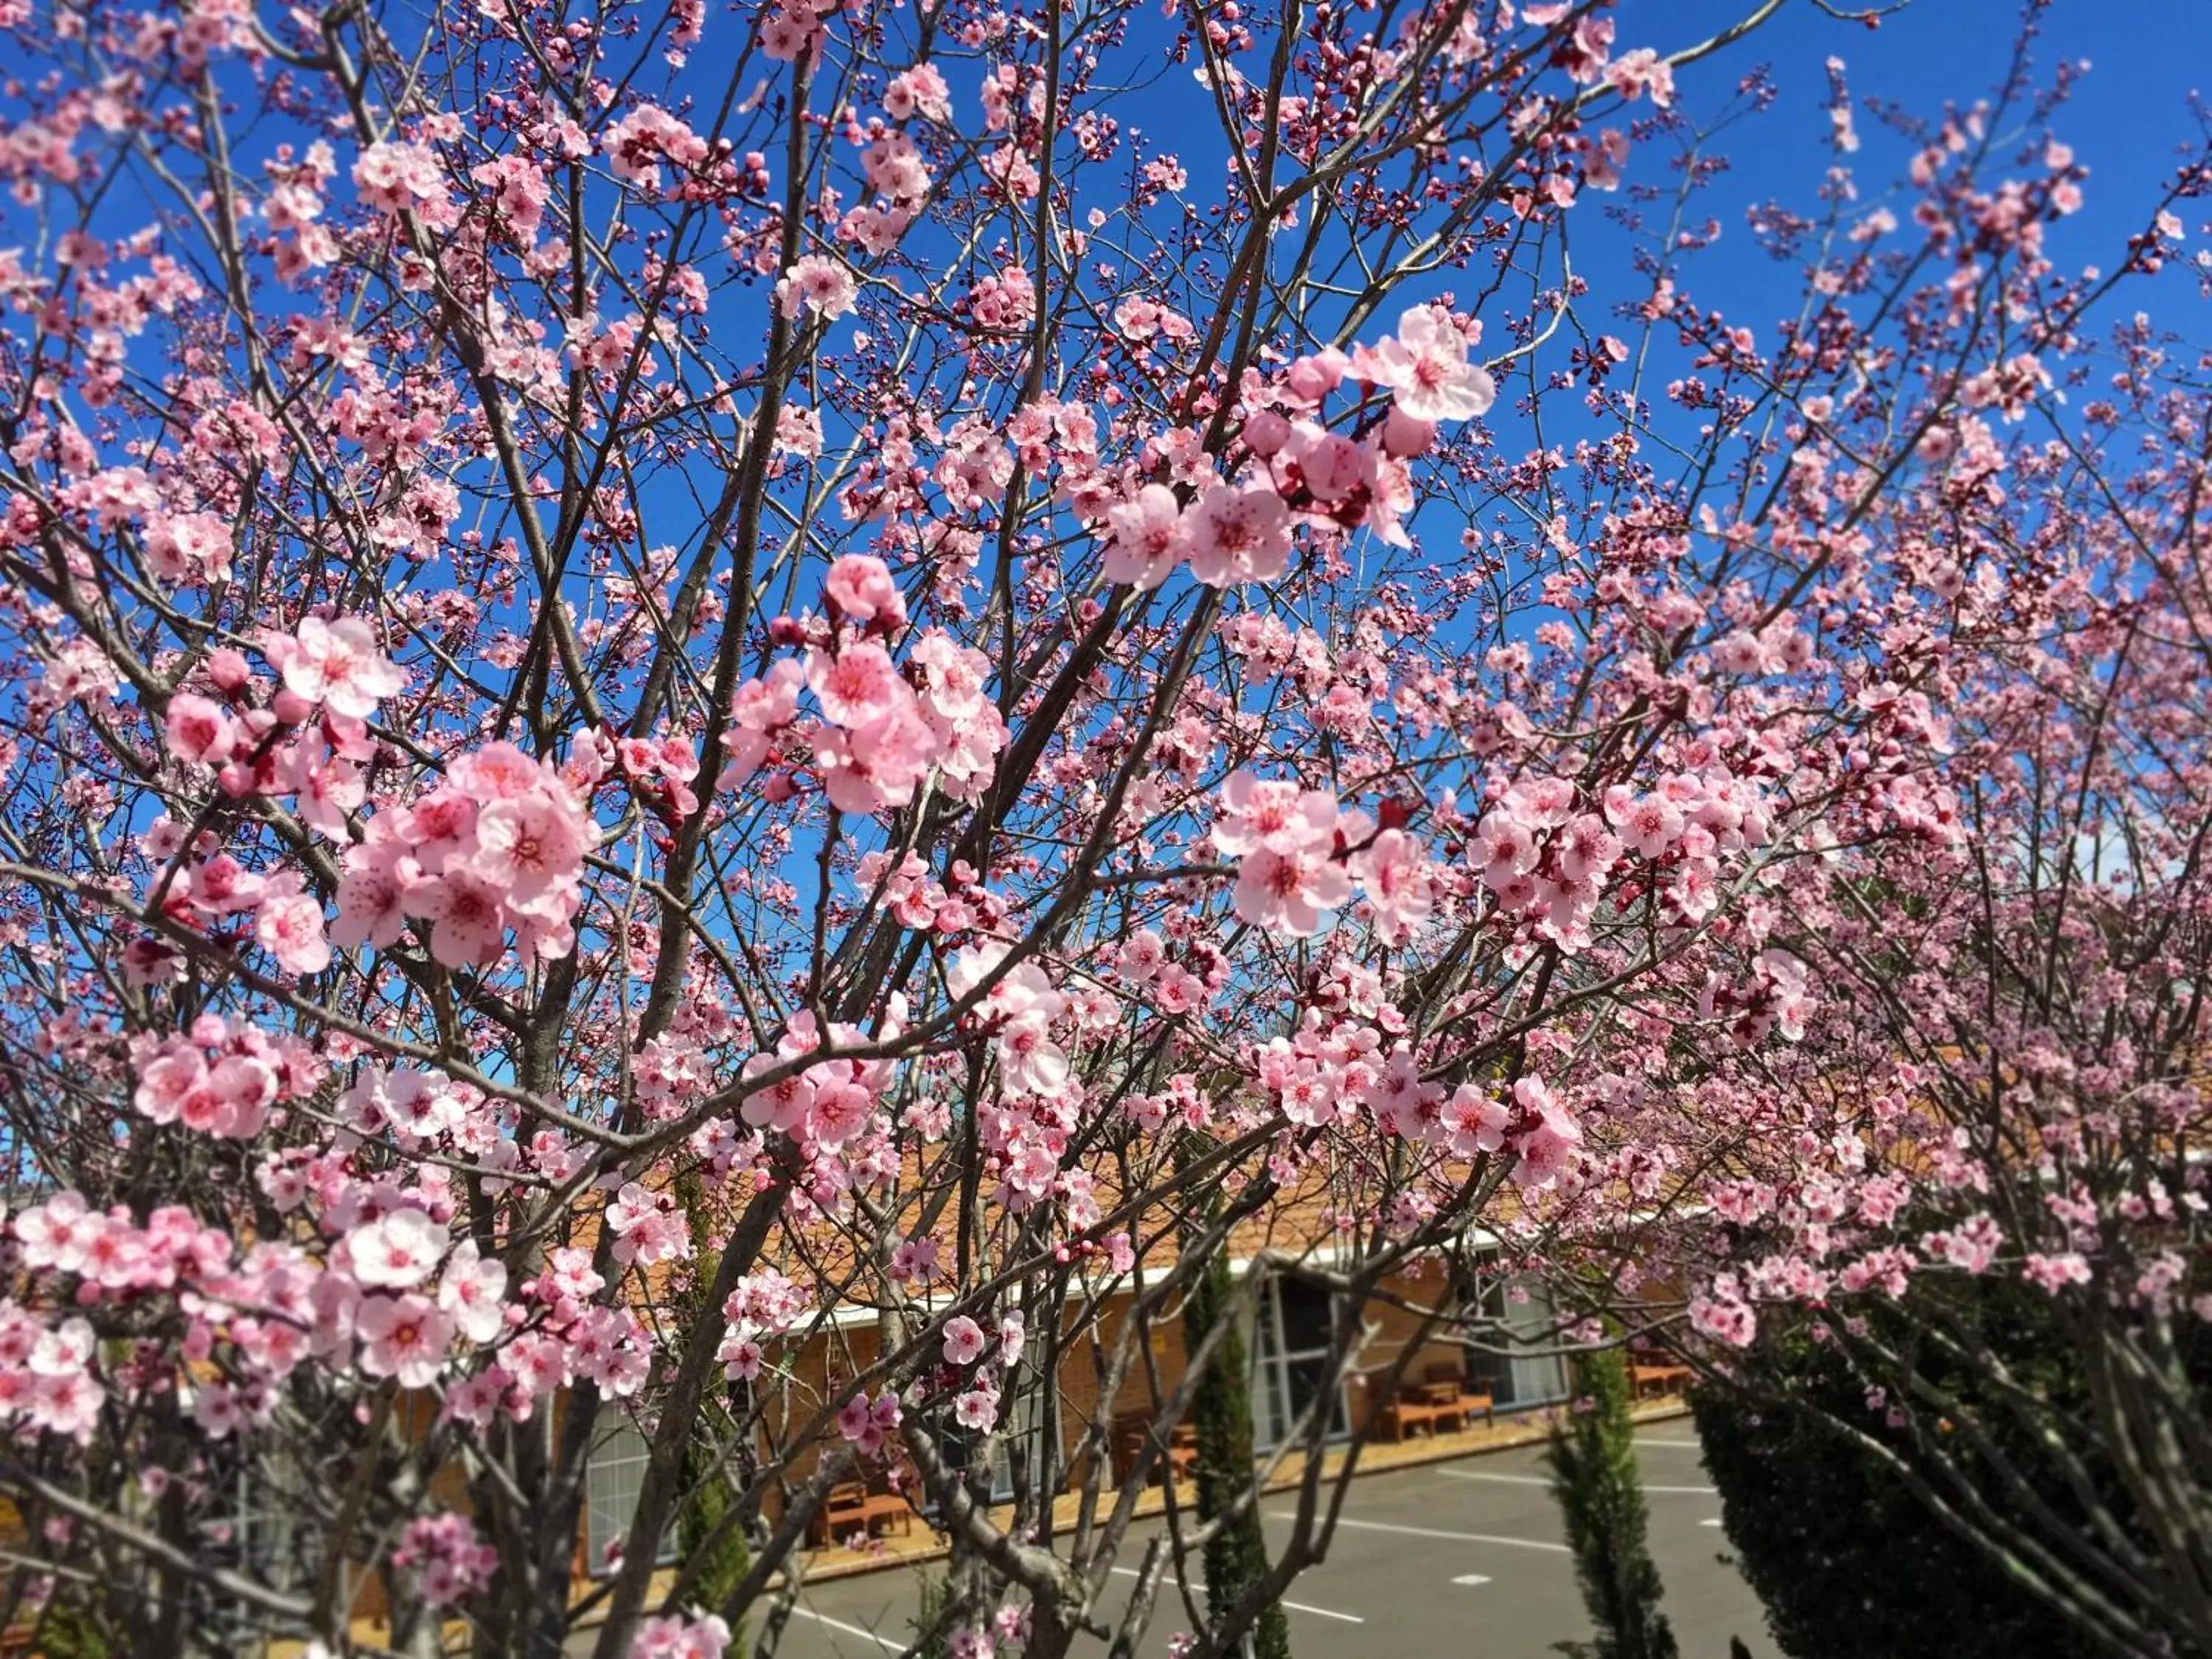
{"points": [[1460, 1560]]}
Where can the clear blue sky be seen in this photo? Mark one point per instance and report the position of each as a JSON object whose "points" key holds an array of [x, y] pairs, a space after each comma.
{"points": [[2126, 120]]}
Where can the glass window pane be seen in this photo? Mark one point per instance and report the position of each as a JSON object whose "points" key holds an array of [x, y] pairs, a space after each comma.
{"points": [[614, 1481], [1306, 1320]]}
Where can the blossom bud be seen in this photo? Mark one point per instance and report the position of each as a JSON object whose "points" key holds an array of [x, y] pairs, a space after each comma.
{"points": [[228, 672], [1266, 433], [1404, 436], [1314, 378]]}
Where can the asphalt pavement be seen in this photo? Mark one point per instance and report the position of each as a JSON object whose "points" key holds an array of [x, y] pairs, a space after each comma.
{"points": [[1458, 1560]]}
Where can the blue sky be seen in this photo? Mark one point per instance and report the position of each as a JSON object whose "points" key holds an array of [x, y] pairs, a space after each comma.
{"points": [[2126, 118]]}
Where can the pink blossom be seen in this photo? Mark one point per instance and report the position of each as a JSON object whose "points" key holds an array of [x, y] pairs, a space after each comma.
{"points": [[1392, 871], [188, 547], [818, 284], [1030, 1061], [289, 925], [395, 177], [470, 1290], [964, 1341], [336, 664], [1330, 465], [1507, 850], [58, 1234], [2052, 1272], [1142, 954], [742, 1357], [1288, 892], [1425, 366], [649, 1227], [920, 91], [855, 1418], [449, 1559], [861, 588], [1275, 816], [680, 1635], [198, 730], [785, 1104], [369, 908], [1724, 1319], [1148, 537], [402, 1337], [528, 843], [636, 145], [1643, 71], [879, 763], [1587, 849], [1235, 535], [841, 1109], [1650, 826], [467, 924], [858, 685], [977, 1409], [786, 33], [1545, 1147], [399, 1251], [760, 708], [1474, 1121]]}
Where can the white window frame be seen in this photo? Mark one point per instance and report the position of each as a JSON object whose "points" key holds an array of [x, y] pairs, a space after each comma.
{"points": [[1533, 1380], [1026, 1423], [1272, 1415], [614, 1480]]}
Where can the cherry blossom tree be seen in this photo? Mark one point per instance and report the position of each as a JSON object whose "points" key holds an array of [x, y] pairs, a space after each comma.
{"points": [[1997, 999], [2006, 1073], [666, 719]]}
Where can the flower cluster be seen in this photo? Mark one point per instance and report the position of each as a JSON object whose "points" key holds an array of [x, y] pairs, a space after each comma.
{"points": [[883, 732], [764, 1305], [447, 1556], [828, 1104], [1229, 533], [974, 1364], [48, 1379], [1299, 853], [681, 1636], [498, 846], [306, 736], [223, 1077]]}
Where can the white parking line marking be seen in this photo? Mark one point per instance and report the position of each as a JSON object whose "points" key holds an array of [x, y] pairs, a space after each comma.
{"points": [[1430, 1532], [1295, 1606], [883, 1642], [1539, 1481], [1715, 1522], [1470, 1578]]}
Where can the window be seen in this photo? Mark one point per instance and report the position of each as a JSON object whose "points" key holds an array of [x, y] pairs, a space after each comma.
{"points": [[268, 1536], [1291, 1362], [1021, 1416], [614, 1480], [1510, 1340]]}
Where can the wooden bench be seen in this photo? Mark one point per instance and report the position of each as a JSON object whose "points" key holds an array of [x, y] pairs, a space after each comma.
{"points": [[1650, 1382], [851, 1507], [1435, 1405], [1132, 1434], [1401, 1416]]}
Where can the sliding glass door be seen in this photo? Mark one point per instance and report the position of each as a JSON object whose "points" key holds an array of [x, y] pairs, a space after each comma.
{"points": [[1290, 1363], [1511, 1341]]}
